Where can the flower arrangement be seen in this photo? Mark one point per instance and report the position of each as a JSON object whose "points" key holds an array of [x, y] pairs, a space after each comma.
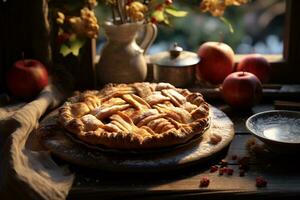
{"points": [[76, 21], [154, 11]]}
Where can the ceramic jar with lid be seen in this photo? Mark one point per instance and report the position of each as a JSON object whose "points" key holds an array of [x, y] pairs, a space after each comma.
{"points": [[175, 66]]}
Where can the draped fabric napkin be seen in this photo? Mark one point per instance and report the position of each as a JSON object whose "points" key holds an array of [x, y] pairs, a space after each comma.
{"points": [[26, 169]]}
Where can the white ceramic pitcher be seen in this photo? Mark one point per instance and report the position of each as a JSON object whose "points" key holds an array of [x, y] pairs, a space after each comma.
{"points": [[122, 59]]}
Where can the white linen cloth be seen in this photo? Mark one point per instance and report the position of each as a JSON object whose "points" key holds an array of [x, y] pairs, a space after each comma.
{"points": [[26, 169]]}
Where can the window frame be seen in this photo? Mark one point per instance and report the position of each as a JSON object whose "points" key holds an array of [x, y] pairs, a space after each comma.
{"points": [[284, 66], [291, 53]]}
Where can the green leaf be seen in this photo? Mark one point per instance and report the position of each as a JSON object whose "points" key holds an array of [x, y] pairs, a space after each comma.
{"points": [[73, 46], [64, 50], [158, 15], [176, 13], [167, 22], [76, 45]]}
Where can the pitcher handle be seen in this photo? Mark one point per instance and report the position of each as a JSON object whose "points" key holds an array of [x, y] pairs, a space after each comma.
{"points": [[149, 35]]}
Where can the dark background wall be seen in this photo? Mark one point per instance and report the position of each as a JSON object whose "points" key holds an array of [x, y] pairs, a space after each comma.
{"points": [[24, 29]]}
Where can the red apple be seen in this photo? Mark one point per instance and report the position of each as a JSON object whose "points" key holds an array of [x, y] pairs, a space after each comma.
{"points": [[241, 89], [257, 65], [217, 61], [26, 78]]}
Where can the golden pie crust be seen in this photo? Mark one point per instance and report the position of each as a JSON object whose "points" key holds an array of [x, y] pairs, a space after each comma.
{"points": [[135, 116]]}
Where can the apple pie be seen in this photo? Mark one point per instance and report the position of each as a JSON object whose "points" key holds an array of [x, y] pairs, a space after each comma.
{"points": [[135, 116]]}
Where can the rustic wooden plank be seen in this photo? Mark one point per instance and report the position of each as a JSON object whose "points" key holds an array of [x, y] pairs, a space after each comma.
{"points": [[185, 183], [239, 116], [287, 105], [270, 91], [238, 148]]}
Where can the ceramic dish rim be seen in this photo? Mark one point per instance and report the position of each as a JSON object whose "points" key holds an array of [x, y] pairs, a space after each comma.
{"points": [[266, 138]]}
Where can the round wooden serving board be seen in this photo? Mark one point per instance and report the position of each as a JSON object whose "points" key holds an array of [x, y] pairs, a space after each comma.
{"points": [[60, 144]]}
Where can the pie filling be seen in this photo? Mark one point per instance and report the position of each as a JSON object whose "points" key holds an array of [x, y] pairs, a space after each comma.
{"points": [[135, 116]]}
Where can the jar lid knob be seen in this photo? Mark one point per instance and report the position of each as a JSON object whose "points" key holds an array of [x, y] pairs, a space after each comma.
{"points": [[175, 50]]}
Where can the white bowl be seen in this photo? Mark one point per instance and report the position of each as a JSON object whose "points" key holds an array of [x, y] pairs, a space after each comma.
{"points": [[278, 129]]}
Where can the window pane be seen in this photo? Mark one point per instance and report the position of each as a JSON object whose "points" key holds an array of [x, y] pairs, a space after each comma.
{"points": [[258, 28]]}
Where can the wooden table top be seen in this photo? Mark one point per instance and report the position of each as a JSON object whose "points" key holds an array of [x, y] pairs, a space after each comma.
{"points": [[281, 172]]}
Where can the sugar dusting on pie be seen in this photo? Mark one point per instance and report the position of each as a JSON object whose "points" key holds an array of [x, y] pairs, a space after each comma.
{"points": [[135, 116]]}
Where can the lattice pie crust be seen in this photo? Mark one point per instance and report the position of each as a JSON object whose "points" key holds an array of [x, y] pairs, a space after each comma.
{"points": [[135, 116]]}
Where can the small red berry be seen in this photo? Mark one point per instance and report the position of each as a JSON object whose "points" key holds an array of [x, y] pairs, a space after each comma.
{"points": [[261, 182], [159, 7], [229, 171], [214, 168], [244, 167], [242, 173], [222, 171], [244, 163], [244, 160], [168, 2], [204, 182], [153, 20]]}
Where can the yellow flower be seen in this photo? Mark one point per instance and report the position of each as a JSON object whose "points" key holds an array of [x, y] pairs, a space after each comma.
{"points": [[92, 3], [217, 7], [86, 24], [136, 10]]}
